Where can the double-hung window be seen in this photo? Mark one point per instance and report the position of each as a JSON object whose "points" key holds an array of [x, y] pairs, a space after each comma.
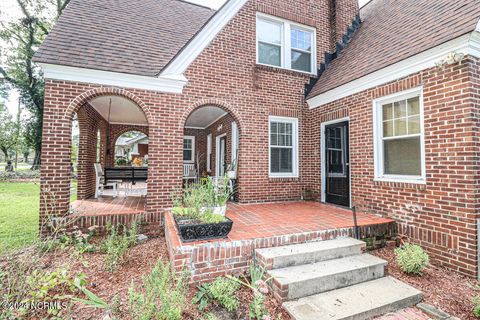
{"points": [[189, 149], [284, 44], [399, 141], [283, 147]]}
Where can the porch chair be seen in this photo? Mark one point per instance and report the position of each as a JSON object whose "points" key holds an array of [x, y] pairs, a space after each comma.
{"points": [[100, 182]]}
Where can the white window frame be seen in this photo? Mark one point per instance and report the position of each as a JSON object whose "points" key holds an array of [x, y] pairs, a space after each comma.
{"points": [[286, 48], [294, 122], [192, 138], [378, 138]]}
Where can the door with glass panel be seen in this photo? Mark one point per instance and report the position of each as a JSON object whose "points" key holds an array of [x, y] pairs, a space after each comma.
{"points": [[337, 180]]}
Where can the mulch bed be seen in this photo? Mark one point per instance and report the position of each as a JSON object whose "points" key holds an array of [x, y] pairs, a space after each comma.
{"points": [[139, 261], [442, 288]]}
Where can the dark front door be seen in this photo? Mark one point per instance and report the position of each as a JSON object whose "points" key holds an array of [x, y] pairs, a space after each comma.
{"points": [[337, 188]]}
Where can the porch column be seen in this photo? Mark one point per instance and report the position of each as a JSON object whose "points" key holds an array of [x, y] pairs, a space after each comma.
{"points": [[92, 127], [55, 158]]}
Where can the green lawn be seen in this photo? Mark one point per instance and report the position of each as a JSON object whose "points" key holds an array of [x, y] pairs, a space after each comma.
{"points": [[18, 214]]}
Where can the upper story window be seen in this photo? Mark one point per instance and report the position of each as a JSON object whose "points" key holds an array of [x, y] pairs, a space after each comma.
{"points": [[284, 44], [399, 145]]}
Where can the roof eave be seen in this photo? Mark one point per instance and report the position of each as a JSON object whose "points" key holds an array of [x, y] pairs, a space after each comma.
{"points": [[467, 44], [167, 84]]}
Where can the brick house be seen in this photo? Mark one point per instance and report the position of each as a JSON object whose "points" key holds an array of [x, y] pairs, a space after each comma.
{"points": [[375, 109]]}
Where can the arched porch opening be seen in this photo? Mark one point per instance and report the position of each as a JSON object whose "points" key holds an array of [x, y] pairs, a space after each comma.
{"points": [[101, 186], [211, 145]]}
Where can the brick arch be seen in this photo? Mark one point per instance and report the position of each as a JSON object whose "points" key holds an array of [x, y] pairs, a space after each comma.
{"points": [[216, 103], [86, 96], [128, 128]]}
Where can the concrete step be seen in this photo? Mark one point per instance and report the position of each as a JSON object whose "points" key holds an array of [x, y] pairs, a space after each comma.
{"points": [[361, 301], [304, 280], [305, 253]]}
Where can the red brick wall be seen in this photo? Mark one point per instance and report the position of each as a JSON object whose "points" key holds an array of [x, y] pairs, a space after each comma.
{"points": [[90, 121], [225, 75], [345, 12], [221, 126], [440, 215]]}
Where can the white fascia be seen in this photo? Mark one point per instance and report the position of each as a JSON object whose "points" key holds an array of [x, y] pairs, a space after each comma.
{"points": [[195, 47], [468, 44], [167, 84]]}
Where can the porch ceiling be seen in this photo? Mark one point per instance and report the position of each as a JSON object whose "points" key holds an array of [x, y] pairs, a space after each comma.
{"points": [[123, 111], [204, 117]]}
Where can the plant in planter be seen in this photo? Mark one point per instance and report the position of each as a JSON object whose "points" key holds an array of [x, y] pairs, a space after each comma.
{"points": [[194, 213], [232, 169]]}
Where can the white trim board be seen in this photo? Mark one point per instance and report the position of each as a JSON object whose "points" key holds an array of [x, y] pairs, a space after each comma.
{"points": [[203, 38], [168, 84], [468, 44], [217, 152]]}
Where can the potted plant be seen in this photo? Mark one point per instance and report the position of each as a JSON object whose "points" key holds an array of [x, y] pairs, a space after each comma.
{"points": [[194, 213], [232, 169]]}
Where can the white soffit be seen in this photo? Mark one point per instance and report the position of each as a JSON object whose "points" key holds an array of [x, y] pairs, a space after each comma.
{"points": [[203, 38], [205, 116], [468, 44], [123, 111], [168, 84]]}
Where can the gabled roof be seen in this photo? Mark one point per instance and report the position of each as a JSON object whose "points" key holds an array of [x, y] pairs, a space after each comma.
{"points": [[394, 30], [137, 37]]}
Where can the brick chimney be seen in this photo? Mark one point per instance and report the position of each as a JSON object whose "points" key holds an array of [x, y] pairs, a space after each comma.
{"points": [[342, 13]]}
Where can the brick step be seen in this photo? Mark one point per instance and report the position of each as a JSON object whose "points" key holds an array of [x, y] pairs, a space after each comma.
{"points": [[305, 253], [304, 280], [361, 301]]}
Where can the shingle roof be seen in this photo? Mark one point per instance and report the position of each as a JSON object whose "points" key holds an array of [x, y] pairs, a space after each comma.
{"points": [[129, 36], [393, 30]]}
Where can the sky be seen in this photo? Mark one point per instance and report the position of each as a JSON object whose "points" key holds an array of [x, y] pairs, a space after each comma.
{"points": [[9, 10]]}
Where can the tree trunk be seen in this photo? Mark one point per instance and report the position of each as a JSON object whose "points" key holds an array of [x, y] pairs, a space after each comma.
{"points": [[5, 153], [36, 159]]}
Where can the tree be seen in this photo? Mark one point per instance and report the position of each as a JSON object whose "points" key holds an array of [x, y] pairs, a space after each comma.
{"points": [[18, 71], [8, 132]]}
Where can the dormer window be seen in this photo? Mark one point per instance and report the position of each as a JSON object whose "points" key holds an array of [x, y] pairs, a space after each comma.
{"points": [[285, 44]]}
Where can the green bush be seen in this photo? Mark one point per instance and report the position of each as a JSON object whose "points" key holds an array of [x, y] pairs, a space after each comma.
{"points": [[19, 175], [411, 258], [121, 162], [257, 308], [116, 245], [222, 290], [163, 296]]}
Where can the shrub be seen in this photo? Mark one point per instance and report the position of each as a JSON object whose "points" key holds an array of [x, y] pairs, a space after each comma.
{"points": [[116, 245], [121, 162], [411, 258], [163, 297], [222, 290], [257, 309], [19, 175]]}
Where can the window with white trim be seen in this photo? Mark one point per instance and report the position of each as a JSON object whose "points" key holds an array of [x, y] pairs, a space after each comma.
{"points": [[189, 149], [399, 154], [283, 147], [284, 44]]}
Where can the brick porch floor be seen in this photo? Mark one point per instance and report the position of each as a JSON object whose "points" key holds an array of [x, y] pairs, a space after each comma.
{"points": [[108, 205], [265, 220], [265, 225]]}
